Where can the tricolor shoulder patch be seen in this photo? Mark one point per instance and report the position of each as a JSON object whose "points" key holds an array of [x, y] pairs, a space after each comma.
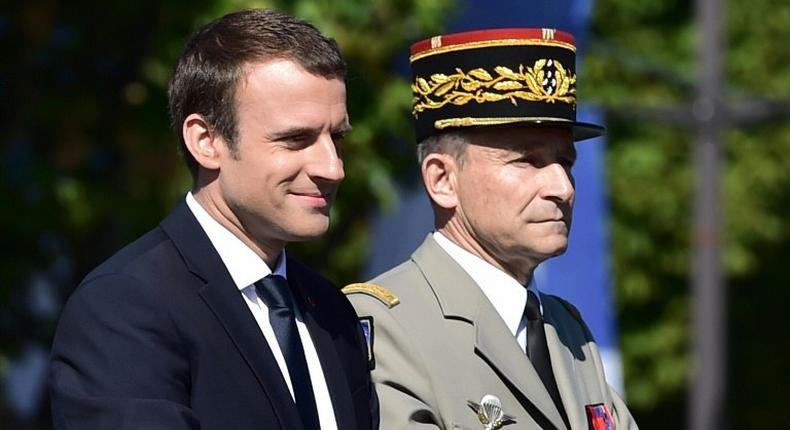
{"points": [[366, 324], [382, 294]]}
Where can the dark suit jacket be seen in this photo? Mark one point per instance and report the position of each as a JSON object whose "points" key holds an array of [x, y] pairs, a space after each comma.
{"points": [[159, 337]]}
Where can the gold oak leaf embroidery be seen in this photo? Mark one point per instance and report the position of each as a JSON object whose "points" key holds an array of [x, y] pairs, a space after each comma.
{"points": [[536, 83]]}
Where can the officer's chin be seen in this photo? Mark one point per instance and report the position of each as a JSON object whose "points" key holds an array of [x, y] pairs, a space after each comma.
{"points": [[558, 249]]}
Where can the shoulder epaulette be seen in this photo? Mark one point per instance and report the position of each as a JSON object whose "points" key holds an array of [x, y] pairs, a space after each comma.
{"points": [[382, 294]]}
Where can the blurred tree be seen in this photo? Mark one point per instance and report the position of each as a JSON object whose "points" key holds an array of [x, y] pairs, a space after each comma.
{"points": [[88, 162], [644, 57]]}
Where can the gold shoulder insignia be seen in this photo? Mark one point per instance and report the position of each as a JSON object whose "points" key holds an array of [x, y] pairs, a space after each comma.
{"points": [[382, 294]]}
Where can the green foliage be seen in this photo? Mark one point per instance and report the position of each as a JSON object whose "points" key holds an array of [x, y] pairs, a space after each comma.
{"points": [[645, 55], [88, 163]]}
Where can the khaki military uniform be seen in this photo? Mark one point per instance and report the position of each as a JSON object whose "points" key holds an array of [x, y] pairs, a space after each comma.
{"points": [[438, 344]]}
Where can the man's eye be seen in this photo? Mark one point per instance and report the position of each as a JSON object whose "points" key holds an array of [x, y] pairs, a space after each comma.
{"points": [[525, 160], [295, 138], [568, 162], [297, 141], [338, 137]]}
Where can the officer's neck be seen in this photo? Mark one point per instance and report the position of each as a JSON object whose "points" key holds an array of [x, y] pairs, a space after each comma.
{"points": [[520, 269]]}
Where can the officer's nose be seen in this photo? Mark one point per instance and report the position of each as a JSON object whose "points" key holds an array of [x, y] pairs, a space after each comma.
{"points": [[557, 183]]}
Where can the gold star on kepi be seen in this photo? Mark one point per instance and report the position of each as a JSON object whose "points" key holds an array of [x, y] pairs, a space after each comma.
{"points": [[494, 78]]}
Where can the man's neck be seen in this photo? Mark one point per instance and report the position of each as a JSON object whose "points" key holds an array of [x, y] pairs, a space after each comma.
{"points": [[218, 209], [463, 238]]}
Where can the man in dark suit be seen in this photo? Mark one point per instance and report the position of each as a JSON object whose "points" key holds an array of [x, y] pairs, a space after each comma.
{"points": [[204, 322]]}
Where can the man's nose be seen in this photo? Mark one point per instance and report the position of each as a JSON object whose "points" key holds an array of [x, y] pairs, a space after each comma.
{"points": [[557, 183], [326, 161]]}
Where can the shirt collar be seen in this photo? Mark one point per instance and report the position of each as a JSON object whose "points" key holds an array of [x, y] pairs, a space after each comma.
{"points": [[243, 264], [505, 293]]}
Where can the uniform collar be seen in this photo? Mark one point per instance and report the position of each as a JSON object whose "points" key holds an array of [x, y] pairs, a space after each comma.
{"points": [[505, 293]]}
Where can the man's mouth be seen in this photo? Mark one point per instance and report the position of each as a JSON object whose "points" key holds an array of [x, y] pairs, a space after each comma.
{"points": [[314, 198]]}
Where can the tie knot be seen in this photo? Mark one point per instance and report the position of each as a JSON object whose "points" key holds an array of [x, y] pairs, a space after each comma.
{"points": [[532, 310], [275, 292]]}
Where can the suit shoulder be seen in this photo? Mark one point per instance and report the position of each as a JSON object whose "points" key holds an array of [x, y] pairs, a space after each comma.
{"points": [[303, 269], [316, 282], [145, 270], [391, 288], [134, 256], [319, 289], [563, 310], [568, 306]]}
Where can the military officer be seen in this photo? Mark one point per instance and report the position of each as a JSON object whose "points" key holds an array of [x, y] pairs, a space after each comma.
{"points": [[459, 336]]}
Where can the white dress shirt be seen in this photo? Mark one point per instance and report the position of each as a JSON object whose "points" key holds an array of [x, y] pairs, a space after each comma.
{"points": [[505, 293], [246, 268]]}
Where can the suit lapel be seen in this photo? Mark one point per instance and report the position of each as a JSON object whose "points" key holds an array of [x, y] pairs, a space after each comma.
{"points": [[225, 301], [334, 370], [460, 297], [562, 363], [233, 314], [569, 371]]}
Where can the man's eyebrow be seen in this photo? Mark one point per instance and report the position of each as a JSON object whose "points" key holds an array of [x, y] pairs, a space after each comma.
{"points": [[293, 131], [306, 131]]}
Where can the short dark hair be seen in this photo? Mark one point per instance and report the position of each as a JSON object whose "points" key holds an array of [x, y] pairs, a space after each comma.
{"points": [[212, 64]]}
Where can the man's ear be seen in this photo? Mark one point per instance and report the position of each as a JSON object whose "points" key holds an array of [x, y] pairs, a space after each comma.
{"points": [[202, 141], [440, 176]]}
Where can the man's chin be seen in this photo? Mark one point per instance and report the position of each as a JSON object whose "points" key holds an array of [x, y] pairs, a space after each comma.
{"points": [[556, 248], [308, 232]]}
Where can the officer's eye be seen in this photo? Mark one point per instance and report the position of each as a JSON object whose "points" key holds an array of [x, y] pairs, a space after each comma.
{"points": [[567, 162]]}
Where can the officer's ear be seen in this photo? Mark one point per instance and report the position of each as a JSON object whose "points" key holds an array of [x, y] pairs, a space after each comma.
{"points": [[440, 176], [202, 141]]}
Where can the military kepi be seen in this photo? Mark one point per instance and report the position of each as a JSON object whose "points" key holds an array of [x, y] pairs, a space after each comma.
{"points": [[496, 77]]}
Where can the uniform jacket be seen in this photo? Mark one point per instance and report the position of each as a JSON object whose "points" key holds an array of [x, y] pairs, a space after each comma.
{"points": [[445, 345], [159, 337]]}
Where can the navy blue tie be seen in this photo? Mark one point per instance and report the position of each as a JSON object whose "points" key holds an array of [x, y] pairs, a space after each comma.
{"points": [[276, 294]]}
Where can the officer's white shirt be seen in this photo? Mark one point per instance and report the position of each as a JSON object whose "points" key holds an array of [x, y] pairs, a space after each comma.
{"points": [[505, 293], [246, 268]]}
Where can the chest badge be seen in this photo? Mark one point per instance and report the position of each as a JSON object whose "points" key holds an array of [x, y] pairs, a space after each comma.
{"points": [[366, 324], [599, 418], [489, 412]]}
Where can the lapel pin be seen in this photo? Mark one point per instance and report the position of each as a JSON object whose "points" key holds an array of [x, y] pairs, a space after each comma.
{"points": [[490, 413]]}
